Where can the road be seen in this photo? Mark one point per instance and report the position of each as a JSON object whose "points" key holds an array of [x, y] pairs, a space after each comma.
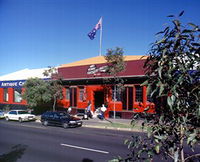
{"points": [[32, 142]]}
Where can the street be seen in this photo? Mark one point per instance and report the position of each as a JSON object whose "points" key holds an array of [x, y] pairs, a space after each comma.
{"points": [[30, 141], [33, 142]]}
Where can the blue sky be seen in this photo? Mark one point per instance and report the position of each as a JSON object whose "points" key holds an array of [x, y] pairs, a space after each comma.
{"points": [[42, 33]]}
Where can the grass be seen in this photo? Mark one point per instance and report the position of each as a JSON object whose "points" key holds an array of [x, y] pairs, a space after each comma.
{"points": [[121, 125]]}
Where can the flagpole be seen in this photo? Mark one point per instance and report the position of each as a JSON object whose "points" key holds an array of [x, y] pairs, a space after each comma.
{"points": [[100, 43]]}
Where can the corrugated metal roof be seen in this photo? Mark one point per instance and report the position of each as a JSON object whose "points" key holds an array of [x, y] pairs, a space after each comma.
{"points": [[24, 74], [100, 60]]}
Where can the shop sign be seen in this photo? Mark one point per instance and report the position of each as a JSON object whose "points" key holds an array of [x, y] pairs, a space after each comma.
{"points": [[12, 84], [93, 69]]}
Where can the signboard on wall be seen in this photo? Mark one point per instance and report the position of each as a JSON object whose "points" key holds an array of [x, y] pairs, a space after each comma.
{"points": [[12, 84]]}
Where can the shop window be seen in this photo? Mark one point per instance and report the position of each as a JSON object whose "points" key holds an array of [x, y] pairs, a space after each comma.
{"points": [[5, 94], [138, 93], [81, 94], [118, 94], [17, 95], [67, 94]]}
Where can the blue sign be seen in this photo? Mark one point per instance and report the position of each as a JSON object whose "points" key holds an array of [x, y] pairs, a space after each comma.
{"points": [[12, 84]]}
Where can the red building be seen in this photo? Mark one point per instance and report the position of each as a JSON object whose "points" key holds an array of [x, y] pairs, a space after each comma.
{"points": [[85, 81]]}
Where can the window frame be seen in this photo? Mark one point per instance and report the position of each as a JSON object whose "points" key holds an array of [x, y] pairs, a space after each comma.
{"points": [[5, 95], [14, 95], [139, 94]]}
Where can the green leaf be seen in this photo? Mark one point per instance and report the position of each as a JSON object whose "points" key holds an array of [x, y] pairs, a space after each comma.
{"points": [[170, 16], [181, 14], [192, 25], [144, 83], [157, 149], [169, 102], [162, 88]]}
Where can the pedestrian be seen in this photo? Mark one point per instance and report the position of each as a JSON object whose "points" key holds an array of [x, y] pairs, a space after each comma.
{"points": [[88, 110], [103, 110], [69, 110]]}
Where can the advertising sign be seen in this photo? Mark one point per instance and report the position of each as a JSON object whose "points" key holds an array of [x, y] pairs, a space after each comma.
{"points": [[12, 84]]}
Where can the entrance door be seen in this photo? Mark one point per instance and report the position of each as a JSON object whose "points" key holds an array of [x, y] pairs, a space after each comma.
{"points": [[98, 99], [73, 96], [128, 98]]}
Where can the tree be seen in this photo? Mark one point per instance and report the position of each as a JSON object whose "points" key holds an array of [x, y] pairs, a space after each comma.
{"points": [[56, 84], [115, 62], [39, 92], [173, 72]]}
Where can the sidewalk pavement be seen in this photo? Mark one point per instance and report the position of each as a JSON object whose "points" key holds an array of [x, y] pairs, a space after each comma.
{"points": [[113, 124]]}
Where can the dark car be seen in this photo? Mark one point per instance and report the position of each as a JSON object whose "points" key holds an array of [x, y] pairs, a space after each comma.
{"points": [[60, 119]]}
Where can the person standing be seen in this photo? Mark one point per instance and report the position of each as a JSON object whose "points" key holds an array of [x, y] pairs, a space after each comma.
{"points": [[103, 110], [88, 110]]}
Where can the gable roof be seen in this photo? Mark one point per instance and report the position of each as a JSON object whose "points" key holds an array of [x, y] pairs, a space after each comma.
{"points": [[100, 60], [24, 74]]}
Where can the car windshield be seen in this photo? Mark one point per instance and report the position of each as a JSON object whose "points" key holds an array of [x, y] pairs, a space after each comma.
{"points": [[22, 112]]}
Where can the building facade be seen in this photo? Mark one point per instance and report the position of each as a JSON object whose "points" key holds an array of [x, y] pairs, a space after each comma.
{"points": [[86, 81], [11, 87]]}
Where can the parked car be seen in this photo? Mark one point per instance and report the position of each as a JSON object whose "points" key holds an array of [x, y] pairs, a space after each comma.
{"points": [[60, 119], [1, 114], [20, 115]]}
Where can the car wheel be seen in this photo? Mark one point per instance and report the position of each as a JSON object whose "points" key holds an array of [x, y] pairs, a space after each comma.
{"points": [[65, 125], [20, 120], [45, 123], [7, 118]]}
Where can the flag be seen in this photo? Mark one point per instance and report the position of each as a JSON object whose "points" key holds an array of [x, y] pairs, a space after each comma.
{"points": [[98, 26]]}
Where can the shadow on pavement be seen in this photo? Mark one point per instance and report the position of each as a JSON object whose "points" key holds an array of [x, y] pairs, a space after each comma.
{"points": [[16, 153], [87, 160]]}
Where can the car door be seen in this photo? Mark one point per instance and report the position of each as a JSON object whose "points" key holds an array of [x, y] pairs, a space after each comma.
{"points": [[50, 118], [57, 119]]}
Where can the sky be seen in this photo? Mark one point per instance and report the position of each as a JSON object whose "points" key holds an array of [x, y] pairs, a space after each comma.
{"points": [[41, 33]]}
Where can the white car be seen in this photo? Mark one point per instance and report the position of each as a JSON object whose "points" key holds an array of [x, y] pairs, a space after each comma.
{"points": [[20, 115]]}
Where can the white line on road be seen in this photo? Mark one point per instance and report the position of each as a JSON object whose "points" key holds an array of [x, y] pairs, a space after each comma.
{"points": [[84, 148]]}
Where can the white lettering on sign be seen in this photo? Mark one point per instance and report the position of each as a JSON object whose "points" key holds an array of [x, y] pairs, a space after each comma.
{"points": [[21, 83], [12, 84], [94, 70]]}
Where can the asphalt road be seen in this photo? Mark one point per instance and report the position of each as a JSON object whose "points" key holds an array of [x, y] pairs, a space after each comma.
{"points": [[32, 142]]}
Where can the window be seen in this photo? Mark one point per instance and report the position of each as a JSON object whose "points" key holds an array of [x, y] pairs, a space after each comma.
{"points": [[118, 94], [81, 94], [67, 94], [5, 94], [138, 93], [13, 112], [17, 95]]}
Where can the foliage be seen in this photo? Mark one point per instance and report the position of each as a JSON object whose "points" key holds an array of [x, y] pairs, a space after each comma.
{"points": [[56, 84], [115, 60], [39, 92], [173, 72]]}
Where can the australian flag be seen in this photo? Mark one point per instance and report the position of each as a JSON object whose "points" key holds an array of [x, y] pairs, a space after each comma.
{"points": [[98, 26]]}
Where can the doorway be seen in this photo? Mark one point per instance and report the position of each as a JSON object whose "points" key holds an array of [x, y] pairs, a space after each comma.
{"points": [[98, 99], [127, 99]]}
